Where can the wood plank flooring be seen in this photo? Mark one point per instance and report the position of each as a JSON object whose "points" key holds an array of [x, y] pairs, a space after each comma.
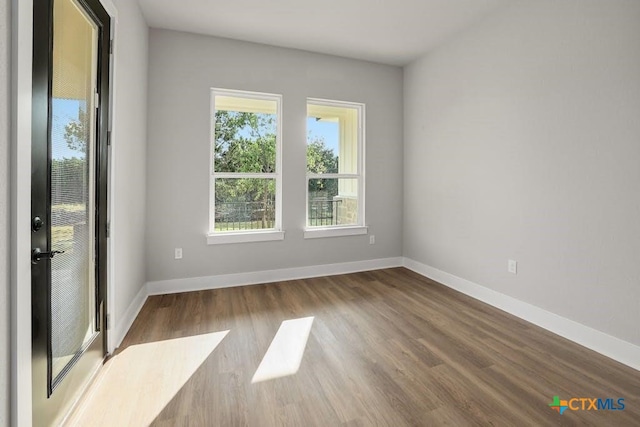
{"points": [[386, 348]]}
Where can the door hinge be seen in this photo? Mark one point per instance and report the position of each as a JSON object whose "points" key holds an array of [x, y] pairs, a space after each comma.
{"points": [[97, 99], [108, 230], [111, 47], [107, 322], [108, 138]]}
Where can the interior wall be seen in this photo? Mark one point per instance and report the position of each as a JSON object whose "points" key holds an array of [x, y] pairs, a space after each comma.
{"points": [[182, 69], [521, 142], [5, 195], [129, 157]]}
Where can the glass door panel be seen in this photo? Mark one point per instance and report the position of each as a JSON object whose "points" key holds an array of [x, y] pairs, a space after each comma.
{"points": [[72, 226]]}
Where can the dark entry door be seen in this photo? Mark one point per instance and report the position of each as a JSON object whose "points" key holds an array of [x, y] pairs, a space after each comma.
{"points": [[69, 201]]}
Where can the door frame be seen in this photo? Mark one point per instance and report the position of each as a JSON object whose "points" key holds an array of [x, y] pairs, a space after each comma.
{"points": [[20, 204]]}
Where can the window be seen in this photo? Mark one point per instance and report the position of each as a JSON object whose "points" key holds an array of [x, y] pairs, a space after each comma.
{"points": [[335, 168], [245, 199]]}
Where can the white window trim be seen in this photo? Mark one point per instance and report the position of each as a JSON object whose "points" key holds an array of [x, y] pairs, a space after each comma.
{"points": [[334, 231], [341, 230], [259, 235], [244, 237]]}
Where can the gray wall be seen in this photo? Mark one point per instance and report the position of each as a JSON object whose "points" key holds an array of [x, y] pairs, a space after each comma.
{"points": [[5, 49], [182, 69], [523, 142], [129, 155]]}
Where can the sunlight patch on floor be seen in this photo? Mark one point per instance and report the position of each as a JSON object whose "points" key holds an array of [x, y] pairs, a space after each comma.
{"points": [[138, 383], [285, 352]]}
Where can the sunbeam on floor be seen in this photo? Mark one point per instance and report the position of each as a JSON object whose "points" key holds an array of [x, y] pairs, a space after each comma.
{"points": [[146, 377], [285, 352]]}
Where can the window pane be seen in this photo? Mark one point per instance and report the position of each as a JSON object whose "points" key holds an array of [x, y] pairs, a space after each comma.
{"points": [[332, 139], [245, 135], [333, 202], [245, 204], [322, 146]]}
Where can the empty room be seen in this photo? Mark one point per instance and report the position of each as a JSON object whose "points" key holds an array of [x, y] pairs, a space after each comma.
{"points": [[339, 213]]}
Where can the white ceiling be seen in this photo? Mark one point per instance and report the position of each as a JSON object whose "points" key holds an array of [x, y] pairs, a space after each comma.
{"points": [[388, 31]]}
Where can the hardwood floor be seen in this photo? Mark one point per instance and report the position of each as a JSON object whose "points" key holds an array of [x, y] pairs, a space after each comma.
{"points": [[386, 348]]}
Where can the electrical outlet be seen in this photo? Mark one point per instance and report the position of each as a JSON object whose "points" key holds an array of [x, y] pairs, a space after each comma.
{"points": [[178, 253], [512, 266], [372, 240]]}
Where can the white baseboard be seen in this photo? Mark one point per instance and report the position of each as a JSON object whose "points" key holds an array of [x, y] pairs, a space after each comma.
{"points": [[267, 276], [615, 348], [122, 326]]}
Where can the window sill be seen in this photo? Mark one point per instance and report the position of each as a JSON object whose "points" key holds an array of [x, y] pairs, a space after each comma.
{"points": [[244, 237], [318, 233]]}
